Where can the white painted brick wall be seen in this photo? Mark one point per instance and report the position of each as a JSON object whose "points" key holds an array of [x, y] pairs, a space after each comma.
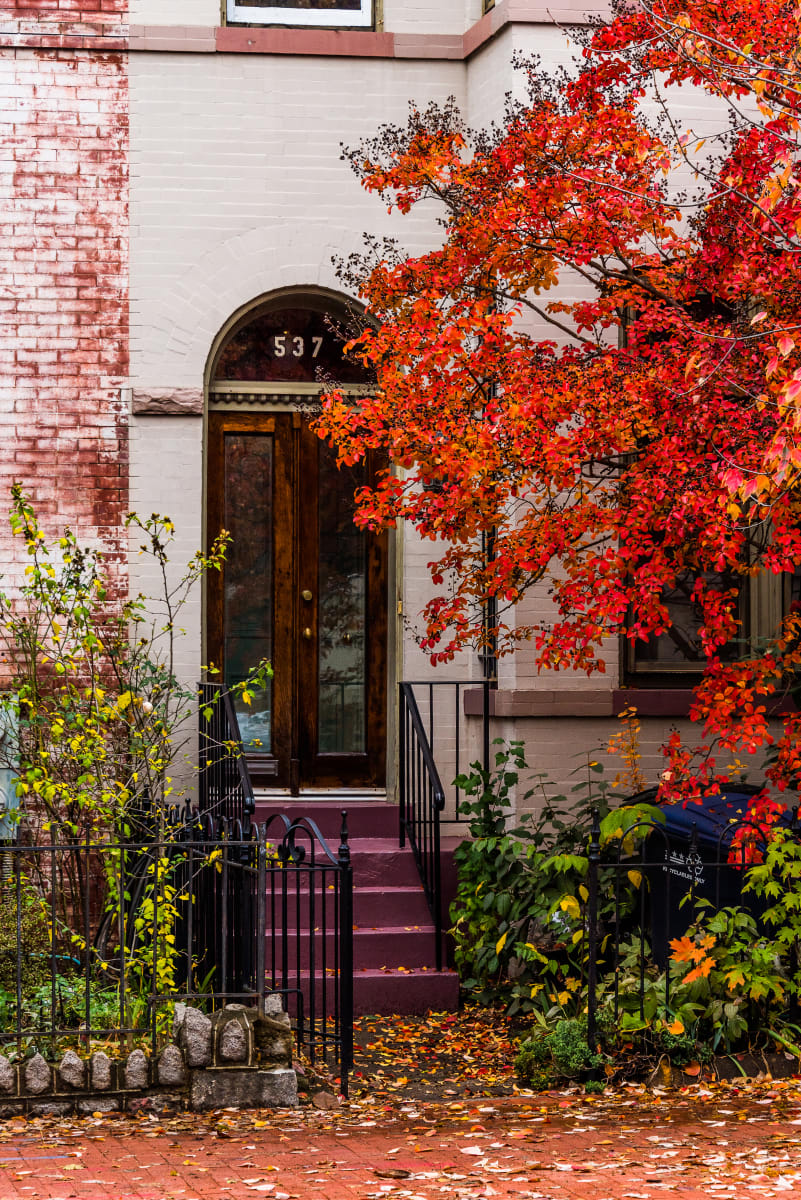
{"points": [[400, 16], [174, 12], [237, 187], [166, 455]]}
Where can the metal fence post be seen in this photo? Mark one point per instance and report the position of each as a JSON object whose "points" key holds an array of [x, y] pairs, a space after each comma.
{"points": [[403, 782], [485, 721], [346, 955], [593, 863], [261, 916]]}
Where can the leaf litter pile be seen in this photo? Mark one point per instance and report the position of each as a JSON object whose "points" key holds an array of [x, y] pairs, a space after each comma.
{"points": [[439, 1055], [434, 1114], [727, 1140]]}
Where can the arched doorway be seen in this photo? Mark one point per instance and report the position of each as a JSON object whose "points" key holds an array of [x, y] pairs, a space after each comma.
{"points": [[302, 586]]}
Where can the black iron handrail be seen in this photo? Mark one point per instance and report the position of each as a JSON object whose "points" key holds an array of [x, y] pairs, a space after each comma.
{"points": [[450, 712], [422, 800]]}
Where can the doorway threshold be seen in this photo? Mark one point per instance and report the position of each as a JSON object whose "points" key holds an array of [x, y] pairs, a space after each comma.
{"points": [[333, 793]]}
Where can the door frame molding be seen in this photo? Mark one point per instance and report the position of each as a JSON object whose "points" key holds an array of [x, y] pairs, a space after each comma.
{"points": [[265, 397]]}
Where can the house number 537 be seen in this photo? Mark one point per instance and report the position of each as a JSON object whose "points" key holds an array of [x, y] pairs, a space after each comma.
{"points": [[285, 344]]}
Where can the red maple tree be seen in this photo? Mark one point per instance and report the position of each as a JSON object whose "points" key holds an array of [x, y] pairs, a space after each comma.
{"points": [[599, 368]]}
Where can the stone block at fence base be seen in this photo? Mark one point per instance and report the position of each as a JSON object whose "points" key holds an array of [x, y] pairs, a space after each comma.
{"points": [[136, 1072], [194, 1036], [52, 1108], [228, 1087], [7, 1076], [235, 1058], [171, 1071], [98, 1104], [100, 1071], [37, 1075], [72, 1070]]}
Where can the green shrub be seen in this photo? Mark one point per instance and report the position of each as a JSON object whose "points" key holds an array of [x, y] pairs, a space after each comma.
{"points": [[559, 1053], [34, 938], [520, 914]]}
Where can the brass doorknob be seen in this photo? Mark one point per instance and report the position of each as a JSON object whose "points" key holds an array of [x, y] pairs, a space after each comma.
{"points": [[347, 638], [307, 633], [306, 594]]}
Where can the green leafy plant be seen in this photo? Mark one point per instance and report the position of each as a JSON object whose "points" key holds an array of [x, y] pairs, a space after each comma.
{"points": [[520, 913], [558, 1053], [24, 936], [521, 925], [101, 743]]}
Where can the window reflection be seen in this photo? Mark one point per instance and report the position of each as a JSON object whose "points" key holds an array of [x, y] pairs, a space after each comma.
{"points": [[248, 596]]}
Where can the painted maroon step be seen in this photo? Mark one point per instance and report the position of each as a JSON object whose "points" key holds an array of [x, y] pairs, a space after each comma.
{"points": [[386, 947], [402, 992], [366, 818], [405, 992], [373, 906]]}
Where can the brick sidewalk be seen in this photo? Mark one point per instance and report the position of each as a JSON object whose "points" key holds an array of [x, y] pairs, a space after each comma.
{"points": [[696, 1144]]}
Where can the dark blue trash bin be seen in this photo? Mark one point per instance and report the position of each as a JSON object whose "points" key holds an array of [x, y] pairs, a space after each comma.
{"points": [[691, 854]]}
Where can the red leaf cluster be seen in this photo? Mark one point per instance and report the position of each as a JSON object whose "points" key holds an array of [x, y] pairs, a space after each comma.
{"points": [[598, 371]]}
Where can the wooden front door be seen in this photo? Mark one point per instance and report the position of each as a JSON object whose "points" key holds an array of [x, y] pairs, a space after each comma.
{"points": [[305, 588]]}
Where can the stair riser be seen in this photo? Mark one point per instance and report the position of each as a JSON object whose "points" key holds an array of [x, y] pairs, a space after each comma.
{"points": [[369, 908], [364, 820], [404, 995], [391, 868], [371, 949]]}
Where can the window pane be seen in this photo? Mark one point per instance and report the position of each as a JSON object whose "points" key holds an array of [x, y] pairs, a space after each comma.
{"points": [[679, 647], [342, 612], [346, 14], [290, 345], [248, 597], [314, 5]]}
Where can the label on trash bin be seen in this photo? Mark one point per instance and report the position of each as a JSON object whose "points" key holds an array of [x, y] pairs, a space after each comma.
{"points": [[687, 866]]}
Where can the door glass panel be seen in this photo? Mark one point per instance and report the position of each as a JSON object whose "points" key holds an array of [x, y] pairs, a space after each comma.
{"points": [[341, 582], [248, 597]]}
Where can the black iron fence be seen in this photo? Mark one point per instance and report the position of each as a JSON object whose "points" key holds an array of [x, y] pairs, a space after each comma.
{"points": [[650, 893], [225, 789], [99, 938]]}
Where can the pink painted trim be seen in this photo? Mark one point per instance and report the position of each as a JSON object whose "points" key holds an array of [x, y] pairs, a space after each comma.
{"points": [[481, 32], [184, 38], [522, 703], [425, 45]]}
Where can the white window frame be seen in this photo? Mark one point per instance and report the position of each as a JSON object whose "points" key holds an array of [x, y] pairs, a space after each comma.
{"points": [[243, 13]]}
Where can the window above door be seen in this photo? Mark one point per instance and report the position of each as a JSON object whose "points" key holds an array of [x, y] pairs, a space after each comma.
{"points": [[325, 14]]}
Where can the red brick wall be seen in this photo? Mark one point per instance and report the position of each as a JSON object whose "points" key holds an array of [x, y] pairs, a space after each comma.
{"points": [[63, 16], [64, 278]]}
